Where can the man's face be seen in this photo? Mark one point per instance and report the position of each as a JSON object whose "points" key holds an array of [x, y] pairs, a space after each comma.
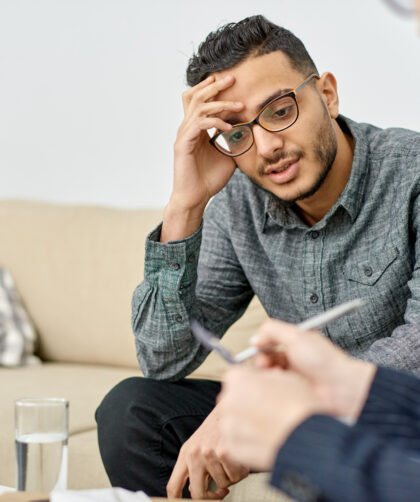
{"points": [[292, 164]]}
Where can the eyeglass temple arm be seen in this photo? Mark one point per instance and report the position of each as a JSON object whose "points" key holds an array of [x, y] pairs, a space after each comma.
{"points": [[311, 76]]}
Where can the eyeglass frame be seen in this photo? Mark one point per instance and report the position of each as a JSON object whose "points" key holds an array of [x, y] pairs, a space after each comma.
{"points": [[250, 125]]}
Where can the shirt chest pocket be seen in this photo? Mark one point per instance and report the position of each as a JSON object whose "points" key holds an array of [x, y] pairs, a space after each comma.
{"points": [[381, 281], [370, 271]]}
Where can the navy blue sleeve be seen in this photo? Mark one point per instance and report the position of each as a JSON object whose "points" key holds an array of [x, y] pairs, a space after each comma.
{"points": [[378, 459], [326, 460], [392, 408]]}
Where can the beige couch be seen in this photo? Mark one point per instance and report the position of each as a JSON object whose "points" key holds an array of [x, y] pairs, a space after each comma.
{"points": [[76, 268]]}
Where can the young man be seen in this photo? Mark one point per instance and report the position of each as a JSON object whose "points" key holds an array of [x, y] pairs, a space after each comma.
{"points": [[303, 201]]}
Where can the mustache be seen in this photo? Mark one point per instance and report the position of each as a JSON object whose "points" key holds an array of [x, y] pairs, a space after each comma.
{"points": [[267, 162]]}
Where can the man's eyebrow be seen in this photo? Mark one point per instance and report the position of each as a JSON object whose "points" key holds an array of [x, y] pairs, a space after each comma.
{"points": [[237, 120], [276, 94]]}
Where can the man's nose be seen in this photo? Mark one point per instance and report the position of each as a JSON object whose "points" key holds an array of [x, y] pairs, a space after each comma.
{"points": [[267, 142]]}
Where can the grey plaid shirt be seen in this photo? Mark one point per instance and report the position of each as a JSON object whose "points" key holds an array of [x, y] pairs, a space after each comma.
{"points": [[366, 246]]}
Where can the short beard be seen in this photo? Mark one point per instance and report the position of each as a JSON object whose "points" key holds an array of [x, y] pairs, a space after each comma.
{"points": [[325, 151]]}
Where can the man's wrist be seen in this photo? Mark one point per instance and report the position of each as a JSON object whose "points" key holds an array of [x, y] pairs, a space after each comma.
{"points": [[180, 222], [352, 387]]}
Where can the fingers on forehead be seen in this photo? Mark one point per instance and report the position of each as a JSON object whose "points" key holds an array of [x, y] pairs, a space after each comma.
{"points": [[209, 90], [189, 93]]}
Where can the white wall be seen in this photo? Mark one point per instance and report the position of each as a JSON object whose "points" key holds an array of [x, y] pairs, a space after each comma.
{"points": [[90, 89]]}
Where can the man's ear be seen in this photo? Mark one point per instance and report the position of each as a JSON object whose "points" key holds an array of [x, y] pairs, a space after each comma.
{"points": [[327, 87]]}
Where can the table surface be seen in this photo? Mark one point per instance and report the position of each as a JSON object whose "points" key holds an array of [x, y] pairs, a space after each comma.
{"points": [[33, 497]]}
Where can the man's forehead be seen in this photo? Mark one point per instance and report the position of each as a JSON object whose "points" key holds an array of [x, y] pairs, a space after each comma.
{"points": [[257, 79]]}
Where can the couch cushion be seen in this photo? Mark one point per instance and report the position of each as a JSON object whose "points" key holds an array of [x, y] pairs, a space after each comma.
{"points": [[76, 269], [86, 470], [84, 386], [255, 488]]}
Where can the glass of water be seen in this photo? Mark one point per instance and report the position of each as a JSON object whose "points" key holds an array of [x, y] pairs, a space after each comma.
{"points": [[41, 434]]}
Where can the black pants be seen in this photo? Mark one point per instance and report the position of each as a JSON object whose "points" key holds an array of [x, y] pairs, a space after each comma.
{"points": [[142, 424]]}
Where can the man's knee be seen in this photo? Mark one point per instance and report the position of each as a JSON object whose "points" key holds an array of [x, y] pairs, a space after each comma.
{"points": [[136, 406], [142, 424], [117, 405], [115, 400]]}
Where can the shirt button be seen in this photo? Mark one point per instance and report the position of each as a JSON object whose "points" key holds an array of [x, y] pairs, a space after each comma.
{"points": [[178, 318], [314, 234], [191, 258], [368, 271], [314, 298], [175, 266]]}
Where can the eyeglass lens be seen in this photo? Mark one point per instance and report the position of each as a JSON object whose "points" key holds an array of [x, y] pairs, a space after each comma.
{"points": [[277, 116]]}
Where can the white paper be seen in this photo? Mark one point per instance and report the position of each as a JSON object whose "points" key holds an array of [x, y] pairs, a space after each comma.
{"points": [[101, 495]]}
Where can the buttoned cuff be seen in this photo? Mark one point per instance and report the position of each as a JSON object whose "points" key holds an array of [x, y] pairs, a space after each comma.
{"points": [[172, 265]]}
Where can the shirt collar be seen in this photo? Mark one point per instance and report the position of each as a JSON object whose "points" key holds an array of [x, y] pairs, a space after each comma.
{"points": [[350, 198]]}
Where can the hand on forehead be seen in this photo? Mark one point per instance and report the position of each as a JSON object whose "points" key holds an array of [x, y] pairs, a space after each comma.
{"points": [[258, 78]]}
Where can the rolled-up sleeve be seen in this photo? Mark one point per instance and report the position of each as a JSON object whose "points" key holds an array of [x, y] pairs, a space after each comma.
{"points": [[171, 294]]}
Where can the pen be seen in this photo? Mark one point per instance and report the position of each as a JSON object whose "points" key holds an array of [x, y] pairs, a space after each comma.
{"points": [[315, 322], [206, 338]]}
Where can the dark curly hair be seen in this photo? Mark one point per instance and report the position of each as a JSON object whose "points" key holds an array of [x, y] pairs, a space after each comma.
{"points": [[234, 42]]}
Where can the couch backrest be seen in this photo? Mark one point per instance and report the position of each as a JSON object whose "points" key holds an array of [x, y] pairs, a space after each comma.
{"points": [[76, 268]]}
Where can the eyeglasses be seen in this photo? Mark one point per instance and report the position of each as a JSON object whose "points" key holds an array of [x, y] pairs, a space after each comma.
{"points": [[277, 115]]}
